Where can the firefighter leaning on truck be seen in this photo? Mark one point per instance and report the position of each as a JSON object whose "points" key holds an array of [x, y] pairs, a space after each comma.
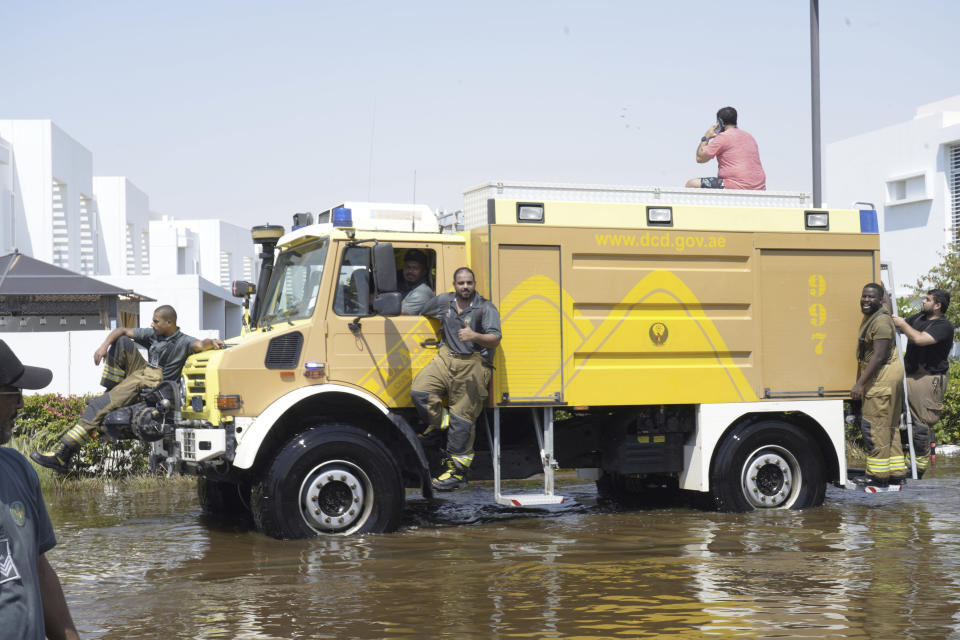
{"points": [[879, 387], [461, 370]]}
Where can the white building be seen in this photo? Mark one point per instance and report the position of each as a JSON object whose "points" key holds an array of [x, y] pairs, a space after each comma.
{"points": [[215, 250], [51, 212], [124, 234], [54, 209], [911, 172], [7, 227]]}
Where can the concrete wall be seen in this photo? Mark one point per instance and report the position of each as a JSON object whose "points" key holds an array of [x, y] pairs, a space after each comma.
{"points": [[69, 355], [902, 169]]}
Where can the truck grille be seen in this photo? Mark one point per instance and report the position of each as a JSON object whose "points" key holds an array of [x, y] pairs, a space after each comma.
{"points": [[188, 446], [284, 351]]}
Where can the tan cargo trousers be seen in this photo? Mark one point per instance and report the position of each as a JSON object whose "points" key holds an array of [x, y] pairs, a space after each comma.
{"points": [[464, 380], [880, 424], [925, 393], [128, 372]]}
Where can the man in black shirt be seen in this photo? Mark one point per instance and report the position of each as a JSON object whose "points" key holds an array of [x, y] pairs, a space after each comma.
{"points": [[930, 337]]}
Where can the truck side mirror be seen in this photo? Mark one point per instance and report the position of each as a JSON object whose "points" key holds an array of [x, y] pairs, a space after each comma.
{"points": [[384, 268], [387, 304]]}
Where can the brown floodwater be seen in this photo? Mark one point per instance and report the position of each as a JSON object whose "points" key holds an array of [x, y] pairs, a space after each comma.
{"points": [[149, 564]]}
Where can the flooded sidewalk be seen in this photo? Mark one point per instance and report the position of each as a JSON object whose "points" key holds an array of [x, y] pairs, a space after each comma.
{"points": [[148, 564]]}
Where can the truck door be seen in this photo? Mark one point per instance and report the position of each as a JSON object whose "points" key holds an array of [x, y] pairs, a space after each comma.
{"points": [[528, 290], [810, 313], [379, 353]]}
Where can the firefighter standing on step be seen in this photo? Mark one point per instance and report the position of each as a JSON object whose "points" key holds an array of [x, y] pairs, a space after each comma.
{"points": [[880, 387], [461, 371]]}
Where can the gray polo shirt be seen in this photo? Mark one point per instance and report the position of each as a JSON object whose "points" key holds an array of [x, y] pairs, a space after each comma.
{"points": [[414, 299], [167, 353], [481, 316], [25, 534]]}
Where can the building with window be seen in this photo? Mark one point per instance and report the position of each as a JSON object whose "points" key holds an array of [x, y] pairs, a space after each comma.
{"points": [[910, 171], [53, 209]]}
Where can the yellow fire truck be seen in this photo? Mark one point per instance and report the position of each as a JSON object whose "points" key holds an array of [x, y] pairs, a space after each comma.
{"points": [[703, 341]]}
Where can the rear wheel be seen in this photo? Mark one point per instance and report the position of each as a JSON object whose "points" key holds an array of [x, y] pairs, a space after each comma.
{"points": [[767, 465], [331, 479]]}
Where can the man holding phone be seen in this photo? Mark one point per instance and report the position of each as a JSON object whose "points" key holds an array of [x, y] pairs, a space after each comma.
{"points": [[738, 158]]}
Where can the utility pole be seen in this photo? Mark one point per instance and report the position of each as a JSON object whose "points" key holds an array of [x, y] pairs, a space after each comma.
{"points": [[815, 99]]}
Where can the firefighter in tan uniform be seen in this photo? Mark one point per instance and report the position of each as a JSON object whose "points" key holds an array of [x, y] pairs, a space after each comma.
{"points": [[880, 388], [461, 371]]}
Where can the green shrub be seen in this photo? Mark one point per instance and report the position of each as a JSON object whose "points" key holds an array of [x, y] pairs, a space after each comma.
{"points": [[45, 417], [947, 431]]}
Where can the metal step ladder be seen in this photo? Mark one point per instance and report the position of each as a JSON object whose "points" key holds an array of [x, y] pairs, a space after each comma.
{"points": [[544, 433]]}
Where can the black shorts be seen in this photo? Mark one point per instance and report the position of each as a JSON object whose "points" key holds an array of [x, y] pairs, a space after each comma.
{"points": [[711, 183]]}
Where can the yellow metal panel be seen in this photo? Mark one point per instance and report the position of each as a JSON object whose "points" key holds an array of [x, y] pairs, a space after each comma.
{"points": [[531, 322]]}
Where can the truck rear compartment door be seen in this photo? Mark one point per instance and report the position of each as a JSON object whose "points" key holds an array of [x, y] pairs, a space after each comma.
{"points": [[810, 318], [528, 288]]}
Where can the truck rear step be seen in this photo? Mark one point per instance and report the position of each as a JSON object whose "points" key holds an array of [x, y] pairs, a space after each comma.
{"points": [[544, 433]]}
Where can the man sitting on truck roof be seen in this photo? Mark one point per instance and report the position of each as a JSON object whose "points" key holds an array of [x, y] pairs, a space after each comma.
{"points": [[461, 370], [414, 287], [738, 158], [125, 374]]}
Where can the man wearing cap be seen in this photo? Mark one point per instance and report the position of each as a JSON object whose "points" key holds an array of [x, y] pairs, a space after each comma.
{"points": [[32, 605], [125, 374]]}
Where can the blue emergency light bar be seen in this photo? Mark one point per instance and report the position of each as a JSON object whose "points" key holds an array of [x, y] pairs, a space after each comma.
{"points": [[342, 217], [868, 221]]}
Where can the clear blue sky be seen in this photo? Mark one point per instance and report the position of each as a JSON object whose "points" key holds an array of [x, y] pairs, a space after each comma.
{"points": [[250, 111]]}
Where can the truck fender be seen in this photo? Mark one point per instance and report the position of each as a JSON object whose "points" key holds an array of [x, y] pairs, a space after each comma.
{"points": [[714, 420], [417, 446], [253, 434]]}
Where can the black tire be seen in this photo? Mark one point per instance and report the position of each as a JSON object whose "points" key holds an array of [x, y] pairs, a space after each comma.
{"points": [[330, 480], [767, 465], [613, 487], [627, 491], [223, 498]]}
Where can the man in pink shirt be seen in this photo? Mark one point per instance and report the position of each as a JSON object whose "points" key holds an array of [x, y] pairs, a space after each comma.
{"points": [[738, 159]]}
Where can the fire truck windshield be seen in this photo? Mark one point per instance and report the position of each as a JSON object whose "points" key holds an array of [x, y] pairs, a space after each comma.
{"points": [[295, 284]]}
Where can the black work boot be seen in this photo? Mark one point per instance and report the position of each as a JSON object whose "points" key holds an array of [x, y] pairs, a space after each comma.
{"points": [[452, 477], [70, 443], [57, 460]]}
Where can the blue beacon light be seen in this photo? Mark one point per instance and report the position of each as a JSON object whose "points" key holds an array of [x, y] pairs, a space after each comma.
{"points": [[342, 217]]}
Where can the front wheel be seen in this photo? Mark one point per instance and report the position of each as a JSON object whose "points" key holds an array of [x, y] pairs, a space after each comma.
{"points": [[330, 479], [223, 498], [767, 465]]}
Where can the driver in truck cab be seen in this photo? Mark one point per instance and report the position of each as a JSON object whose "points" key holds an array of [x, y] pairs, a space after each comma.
{"points": [[461, 371], [125, 374]]}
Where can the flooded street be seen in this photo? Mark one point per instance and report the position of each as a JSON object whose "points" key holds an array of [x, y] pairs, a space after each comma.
{"points": [[148, 564]]}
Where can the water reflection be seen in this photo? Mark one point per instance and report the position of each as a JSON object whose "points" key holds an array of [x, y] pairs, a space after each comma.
{"points": [[147, 564]]}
